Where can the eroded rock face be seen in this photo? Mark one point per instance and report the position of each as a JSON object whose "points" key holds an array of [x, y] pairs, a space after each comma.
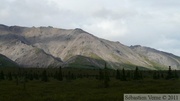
{"points": [[48, 46], [158, 57], [16, 47]]}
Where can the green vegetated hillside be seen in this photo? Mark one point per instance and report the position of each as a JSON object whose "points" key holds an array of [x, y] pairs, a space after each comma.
{"points": [[5, 62], [92, 63], [84, 62]]}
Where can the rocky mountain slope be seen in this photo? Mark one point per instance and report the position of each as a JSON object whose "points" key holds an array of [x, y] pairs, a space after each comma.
{"points": [[157, 58], [48, 46], [16, 47]]}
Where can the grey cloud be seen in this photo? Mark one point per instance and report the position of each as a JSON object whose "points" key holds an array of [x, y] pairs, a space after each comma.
{"points": [[115, 15], [153, 23]]}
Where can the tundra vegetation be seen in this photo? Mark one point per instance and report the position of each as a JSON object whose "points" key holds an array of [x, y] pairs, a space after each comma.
{"points": [[77, 84]]}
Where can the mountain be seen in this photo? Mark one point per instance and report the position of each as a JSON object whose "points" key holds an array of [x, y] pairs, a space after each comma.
{"points": [[51, 47], [6, 62], [157, 58], [16, 47]]}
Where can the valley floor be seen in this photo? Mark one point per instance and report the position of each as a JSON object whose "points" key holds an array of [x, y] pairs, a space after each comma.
{"points": [[83, 89]]}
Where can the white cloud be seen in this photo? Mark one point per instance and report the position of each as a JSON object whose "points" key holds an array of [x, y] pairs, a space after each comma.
{"points": [[107, 28], [146, 22]]}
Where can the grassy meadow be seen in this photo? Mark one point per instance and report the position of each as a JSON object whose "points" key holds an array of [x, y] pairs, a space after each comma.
{"points": [[81, 84]]}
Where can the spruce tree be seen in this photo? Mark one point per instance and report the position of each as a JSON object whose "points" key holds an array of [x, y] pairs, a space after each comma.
{"points": [[73, 76], [60, 77], [158, 75], [162, 75], [69, 76], [36, 76], [24, 82], [106, 77], [176, 75], [30, 76], [128, 75], [169, 74], [26, 76], [2, 75], [10, 76], [44, 76], [118, 74], [56, 75], [140, 75], [17, 79], [154, 75], [136, 74], [101, 75], [123, 75]]}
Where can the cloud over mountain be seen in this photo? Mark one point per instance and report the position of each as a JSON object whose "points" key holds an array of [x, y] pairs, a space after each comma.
{"points": [[150, 23]]}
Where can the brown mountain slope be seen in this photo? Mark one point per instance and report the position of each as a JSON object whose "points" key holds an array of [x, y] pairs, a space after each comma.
{"points": [[45, 46]]}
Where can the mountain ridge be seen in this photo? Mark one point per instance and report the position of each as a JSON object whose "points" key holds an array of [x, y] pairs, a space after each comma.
{"points": [[56, 46]]}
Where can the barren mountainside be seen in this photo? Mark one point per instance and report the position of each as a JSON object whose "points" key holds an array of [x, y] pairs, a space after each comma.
{"points": [[51, 47]]}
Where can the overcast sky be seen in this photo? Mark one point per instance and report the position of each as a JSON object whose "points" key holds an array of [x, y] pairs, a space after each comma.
{"points": [[152, 23]]}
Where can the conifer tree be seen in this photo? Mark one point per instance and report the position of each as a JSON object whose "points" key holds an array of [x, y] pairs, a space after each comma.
{"points": [[158, 75], [44, 76], [10, 76], [106, 77], [17, 79], [72, 76], [24, 82], [118, 74], [2, 75], [26, 76], [69, 75], [30, 76], [162, 75], [169, 74], [101, 75], [128, 75], [123, 75], [136, 74], [140, 75], [36, 76], [176, 75], [56, 75], [154, 75], [60, 77]]}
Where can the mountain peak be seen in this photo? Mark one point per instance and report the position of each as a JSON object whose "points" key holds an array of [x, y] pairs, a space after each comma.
{"points": [[3, 26], [135, 46], [43, 47], [79, 30]]}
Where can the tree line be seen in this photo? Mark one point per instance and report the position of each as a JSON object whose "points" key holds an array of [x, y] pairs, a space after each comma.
{"points": [[23, 75]]}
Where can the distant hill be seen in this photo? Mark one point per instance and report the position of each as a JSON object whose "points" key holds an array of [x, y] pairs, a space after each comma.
{"points": [[5, 62], [52, 47]]}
